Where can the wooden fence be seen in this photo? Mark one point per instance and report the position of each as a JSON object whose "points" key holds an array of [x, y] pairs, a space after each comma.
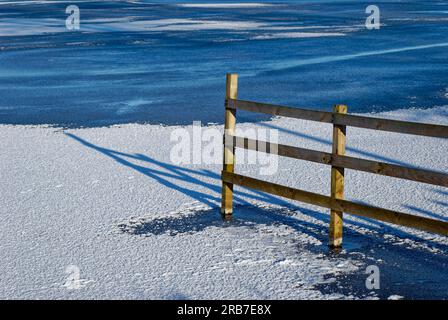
{"points": [[337, 160]]}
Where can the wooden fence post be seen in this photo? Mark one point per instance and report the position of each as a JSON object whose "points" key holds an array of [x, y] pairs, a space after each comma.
{"points": [[229, 151], [337, 180]]}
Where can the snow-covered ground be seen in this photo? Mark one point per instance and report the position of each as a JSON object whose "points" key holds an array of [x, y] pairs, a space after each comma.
{"points": [[109, 203]]}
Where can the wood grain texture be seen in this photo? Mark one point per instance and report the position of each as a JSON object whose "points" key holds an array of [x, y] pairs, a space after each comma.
{"points": [[415, 128], [337, 181], [385, 215], [229, 151], [375, 167]]}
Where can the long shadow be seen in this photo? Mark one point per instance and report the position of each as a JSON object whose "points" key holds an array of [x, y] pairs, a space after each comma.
{"points": [[427, 212], [405, 270], [164, 172], [247, 216], [180, 174], [416, 272], [442, 192], [187, 175], [438, 202], [441, 203]]}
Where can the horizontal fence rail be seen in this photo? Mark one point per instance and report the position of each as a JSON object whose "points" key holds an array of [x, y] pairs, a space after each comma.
{"points": [[421, 129], [394, 217], [336, 159], [381, 168]]}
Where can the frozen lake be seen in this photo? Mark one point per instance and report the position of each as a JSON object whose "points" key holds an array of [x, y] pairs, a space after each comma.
{"points": [[142, 61]]}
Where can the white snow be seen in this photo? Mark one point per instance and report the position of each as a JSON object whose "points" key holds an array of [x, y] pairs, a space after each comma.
{"points": [[187, 25], [109, 202], [296, 35], [23, 27], [226, 5], [395, 297], [36, 26]]}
